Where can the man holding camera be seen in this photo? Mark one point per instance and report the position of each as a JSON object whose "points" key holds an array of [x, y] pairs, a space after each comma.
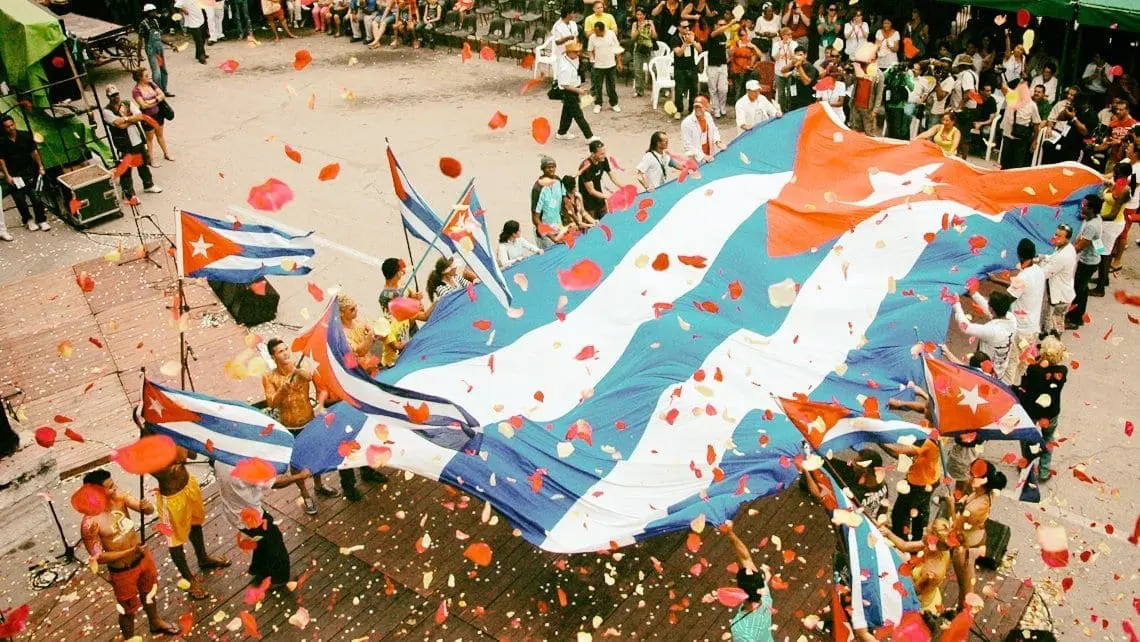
{"points": [[685, 53]]}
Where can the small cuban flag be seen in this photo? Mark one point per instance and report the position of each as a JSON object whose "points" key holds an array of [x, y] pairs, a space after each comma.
{"points": [[236, 252]]}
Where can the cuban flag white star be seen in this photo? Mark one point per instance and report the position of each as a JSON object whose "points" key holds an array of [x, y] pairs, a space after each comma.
{"points": [[971, 398], [201, 247]]}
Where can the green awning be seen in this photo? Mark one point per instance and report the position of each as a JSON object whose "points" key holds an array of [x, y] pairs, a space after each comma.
{"points": [[61, 141], [1125, 14], [30, 33]]}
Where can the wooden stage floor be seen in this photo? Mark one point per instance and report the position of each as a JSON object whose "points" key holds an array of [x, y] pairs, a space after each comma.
{"points": [[363, 578], [78, 354]]}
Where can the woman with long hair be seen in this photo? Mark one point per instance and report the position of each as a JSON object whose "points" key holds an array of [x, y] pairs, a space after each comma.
{"points": [[1040, 395], [968, 516], [445, 279], [512, 246], [1117, 193], [945, 134], [148, 96], [359, 334], [933, 555]]}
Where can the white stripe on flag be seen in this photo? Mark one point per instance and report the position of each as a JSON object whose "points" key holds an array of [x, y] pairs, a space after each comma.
{"points": [[316, 240], [237, 262], [264, 239], [855, 566], [410, 451], [244, 448], [489, 278], [376, 397], [853, 425], [890, 600], [426, 233]]}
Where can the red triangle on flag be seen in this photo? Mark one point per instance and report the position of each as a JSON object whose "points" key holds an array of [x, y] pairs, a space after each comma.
{"points": [[313, 343], [807, 415], [202, 244], [158, 408], [965, 400]]}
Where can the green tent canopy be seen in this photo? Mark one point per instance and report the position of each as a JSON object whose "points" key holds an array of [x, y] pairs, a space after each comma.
{"points": [[1124, 14], [30, 33]]}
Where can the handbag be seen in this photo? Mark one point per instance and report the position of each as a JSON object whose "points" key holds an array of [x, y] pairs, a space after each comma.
{"points": [[164, 108], [555, 92]]}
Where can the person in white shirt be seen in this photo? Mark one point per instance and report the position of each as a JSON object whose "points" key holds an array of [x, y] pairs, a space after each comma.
{"points": [[1060, 269], [513, 247], [652, 170], [699, 133], [1047, 79], [195, 22], [783, 54], [855, 33], [836, 95], [1014, 64], [753, 108], [605, 52], [767, 29], [995, 337], [570, 87], [888, 40], [564, 31], [1028, 288], [1096, 77]]}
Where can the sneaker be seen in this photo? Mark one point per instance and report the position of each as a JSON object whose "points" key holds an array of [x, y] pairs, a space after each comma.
{"points": [[44, 227], [310, 506], [566, 136], [616, 108], [1099, 292], [153, 189], [5, 236], [32, 227], [597, 109]]}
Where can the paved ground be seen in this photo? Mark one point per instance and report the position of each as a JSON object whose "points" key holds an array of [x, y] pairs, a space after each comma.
{"points": [[229, 135]]}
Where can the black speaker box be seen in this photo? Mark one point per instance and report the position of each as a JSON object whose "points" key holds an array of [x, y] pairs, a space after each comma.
{"points": [[246, 306], [997, 540]]}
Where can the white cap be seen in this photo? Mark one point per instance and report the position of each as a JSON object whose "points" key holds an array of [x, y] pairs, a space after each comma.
{"points": [[752, 85], [111, 90], [149, 7]]}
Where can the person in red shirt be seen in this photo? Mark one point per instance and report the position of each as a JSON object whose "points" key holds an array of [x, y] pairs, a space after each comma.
{"points": [[797, 17]]}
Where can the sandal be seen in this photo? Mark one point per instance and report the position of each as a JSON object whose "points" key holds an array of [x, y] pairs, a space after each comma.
{"points": [[169, 629], [214, 562]]}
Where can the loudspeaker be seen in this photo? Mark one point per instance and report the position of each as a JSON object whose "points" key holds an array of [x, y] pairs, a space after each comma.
{"points": [[246, 306], [997, 539]]}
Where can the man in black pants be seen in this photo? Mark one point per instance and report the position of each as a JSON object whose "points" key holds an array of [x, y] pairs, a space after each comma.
{"points": [[127, 135], [194, 19], [22, 169], [685, 52], [570, 86], [1088, 259]]}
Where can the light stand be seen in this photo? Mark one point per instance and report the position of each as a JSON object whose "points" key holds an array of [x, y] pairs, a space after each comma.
{"points": [[144, 253], [68, 555]]}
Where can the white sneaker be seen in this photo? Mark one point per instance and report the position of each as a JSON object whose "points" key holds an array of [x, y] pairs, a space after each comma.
{"points": [[616, 108], [5, 236], [153, 189], [566, 136], [597, 109], [32, 227], [44, 227]]}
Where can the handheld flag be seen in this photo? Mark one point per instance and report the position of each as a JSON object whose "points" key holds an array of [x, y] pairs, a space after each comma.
{"points": [[342, 378], [880, 594], [228, 431], [418, 217], [830, 427], [236, 252], [466, 230], [966, 400]]}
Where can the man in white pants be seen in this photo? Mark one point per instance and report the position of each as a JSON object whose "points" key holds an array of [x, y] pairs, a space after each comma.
{"points": [[215, 15], [717, 67]]}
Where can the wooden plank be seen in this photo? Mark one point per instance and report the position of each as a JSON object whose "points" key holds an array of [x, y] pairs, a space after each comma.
{"points": [[101, 415], [35, 361], [40, 303]]}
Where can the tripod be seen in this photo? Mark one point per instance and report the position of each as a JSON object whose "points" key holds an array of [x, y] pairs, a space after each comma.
{"points": [[68, 555], [139, 217]]}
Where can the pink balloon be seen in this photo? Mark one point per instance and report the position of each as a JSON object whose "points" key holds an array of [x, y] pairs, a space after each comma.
{"points": [[404, 308]]}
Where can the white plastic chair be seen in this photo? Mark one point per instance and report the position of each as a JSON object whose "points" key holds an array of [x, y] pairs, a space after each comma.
{"points": [[661, 74], [663, 49], [990, 132], [544, 55], [702, 69]]}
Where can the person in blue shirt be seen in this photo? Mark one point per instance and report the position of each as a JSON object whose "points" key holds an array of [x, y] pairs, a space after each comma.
{"points": [[752, 621]]}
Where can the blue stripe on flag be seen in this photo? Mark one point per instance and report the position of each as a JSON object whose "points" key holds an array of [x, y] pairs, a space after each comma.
{"points": [[245, 227], [247, 276]]}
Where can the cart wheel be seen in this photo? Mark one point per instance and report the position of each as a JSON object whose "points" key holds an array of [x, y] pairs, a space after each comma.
{"points": [[128, 53]]}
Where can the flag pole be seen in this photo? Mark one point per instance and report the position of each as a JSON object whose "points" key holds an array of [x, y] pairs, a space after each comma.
{"points": [[431, 246], [408, 243], [140, 423], [184, 350]]}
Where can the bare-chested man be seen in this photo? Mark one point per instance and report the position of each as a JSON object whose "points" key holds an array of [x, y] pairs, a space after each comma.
{"points": [[180, 507], [111, 539]]}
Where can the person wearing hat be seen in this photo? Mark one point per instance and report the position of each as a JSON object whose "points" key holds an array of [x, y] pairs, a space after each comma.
{"points": [[127, 135], [569, 87], [966, 88], [150, 33], [1019, 127], [699, 133], [767, 27], [753, 618], [753, 108], [867, 98], [938, 101]]}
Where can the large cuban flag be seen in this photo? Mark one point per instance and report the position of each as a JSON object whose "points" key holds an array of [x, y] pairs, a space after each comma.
{"points": [[236, 252], [806, 259]]}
